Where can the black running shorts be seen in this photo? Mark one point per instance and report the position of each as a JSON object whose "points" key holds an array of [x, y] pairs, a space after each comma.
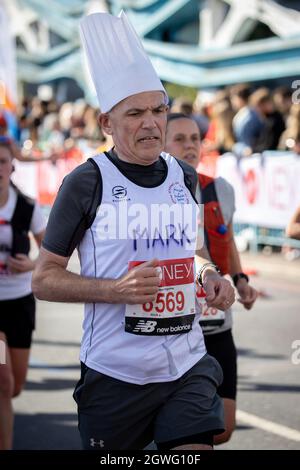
{"points": [[17, 321], [118, 415]]}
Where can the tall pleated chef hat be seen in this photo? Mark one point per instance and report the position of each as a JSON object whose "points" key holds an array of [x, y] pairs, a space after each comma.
{"points": [[118, 63]]}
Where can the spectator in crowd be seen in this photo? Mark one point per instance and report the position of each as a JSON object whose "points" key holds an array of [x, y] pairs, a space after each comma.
{"points": [[26, 154], [220, 136], [290, 139], [186, 107], [261, 101], [248, 124], [282, 97]]}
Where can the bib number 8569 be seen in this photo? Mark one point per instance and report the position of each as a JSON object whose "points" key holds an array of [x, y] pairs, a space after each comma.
{"points": [[166, 302]]}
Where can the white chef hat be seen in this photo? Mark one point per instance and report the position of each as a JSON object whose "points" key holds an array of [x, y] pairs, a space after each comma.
{"points": [[118, 63]]}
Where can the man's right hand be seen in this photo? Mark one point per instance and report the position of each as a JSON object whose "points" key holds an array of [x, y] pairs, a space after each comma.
{"points": [[139, 285]]}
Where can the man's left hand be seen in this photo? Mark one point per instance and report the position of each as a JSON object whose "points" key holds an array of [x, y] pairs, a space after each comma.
{"points": [[219, 291]]}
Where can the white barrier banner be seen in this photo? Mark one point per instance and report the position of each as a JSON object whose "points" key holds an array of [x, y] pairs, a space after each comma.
{"points": [[267, 187], [42, 180]]}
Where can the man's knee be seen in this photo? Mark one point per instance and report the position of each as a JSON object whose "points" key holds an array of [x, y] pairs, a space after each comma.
{"points": [[224, 437], [229, 411]]}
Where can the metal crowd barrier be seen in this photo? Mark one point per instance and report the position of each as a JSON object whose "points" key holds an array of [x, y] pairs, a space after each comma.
{"points": [[253, 236]]}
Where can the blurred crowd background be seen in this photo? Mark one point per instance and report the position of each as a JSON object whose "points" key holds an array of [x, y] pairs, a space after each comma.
{"points": [[241, 119], [234, 66]]}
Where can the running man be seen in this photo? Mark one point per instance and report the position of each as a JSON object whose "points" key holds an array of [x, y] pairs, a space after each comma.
{"points": [[145, 372]]}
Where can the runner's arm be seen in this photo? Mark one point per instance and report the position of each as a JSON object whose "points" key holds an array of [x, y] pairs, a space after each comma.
{"points": [[53, 282], [235, 262], [247, 293]]}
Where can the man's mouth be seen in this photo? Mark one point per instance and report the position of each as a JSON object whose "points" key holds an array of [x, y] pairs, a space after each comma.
{"points": [[148, 139], [190, 156]]}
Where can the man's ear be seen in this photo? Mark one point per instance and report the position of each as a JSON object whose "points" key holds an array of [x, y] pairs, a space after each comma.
{"points": [[104, 122]]}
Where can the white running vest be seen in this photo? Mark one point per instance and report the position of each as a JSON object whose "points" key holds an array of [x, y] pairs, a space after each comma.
{"points": [[157, 341]]}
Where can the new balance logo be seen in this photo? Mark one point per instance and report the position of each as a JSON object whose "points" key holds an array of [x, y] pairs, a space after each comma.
{"points": [[94, 443], [145, 326]]}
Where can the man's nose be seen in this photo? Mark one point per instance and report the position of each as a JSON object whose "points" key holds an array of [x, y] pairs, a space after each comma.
{"points": [[188, 143], [149, 121]]}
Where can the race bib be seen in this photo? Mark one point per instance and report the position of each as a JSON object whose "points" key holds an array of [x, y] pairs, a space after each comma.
{"points": [[210, 317], [173, 310]]}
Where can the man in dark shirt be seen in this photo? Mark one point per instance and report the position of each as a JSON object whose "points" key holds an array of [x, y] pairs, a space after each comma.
{"points": [[74, 212], [166, 381]]}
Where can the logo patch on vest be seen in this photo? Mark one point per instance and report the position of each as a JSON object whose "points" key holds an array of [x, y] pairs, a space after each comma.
{"points": [[178, 193], [119, 193]]}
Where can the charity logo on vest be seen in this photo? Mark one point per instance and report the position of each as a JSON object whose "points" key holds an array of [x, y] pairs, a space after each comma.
{"points": [[119, 193], [178, 193]]}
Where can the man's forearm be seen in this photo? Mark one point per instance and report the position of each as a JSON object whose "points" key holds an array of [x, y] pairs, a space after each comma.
{"points": [[234, 256], [235, 262], [202, 256], [60, 285]]}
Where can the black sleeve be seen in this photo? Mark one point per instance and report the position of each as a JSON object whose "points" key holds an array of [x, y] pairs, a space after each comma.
{"points": [[74, 209], [190, 176]]}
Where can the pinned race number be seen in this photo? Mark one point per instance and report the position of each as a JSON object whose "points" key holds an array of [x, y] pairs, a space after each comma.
{"points": [[173, 310], [210, 317]]}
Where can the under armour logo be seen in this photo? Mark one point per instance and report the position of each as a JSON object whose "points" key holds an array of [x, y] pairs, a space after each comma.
{"points": [[94, 443], [145, 326]]}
